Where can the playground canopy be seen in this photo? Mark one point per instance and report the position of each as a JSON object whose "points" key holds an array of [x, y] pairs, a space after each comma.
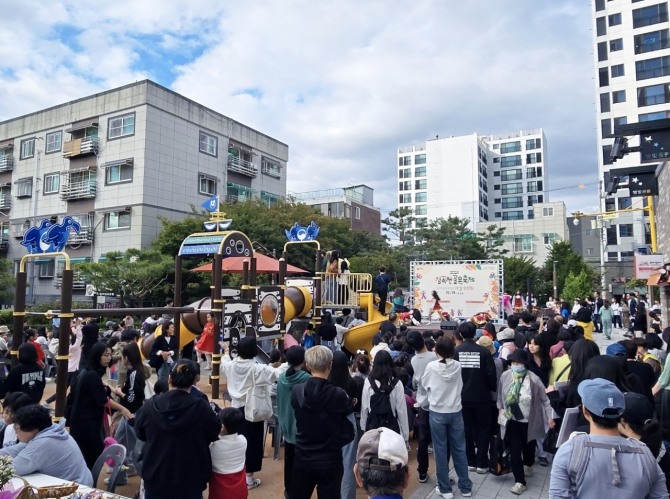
{"points": [[264, 265]]}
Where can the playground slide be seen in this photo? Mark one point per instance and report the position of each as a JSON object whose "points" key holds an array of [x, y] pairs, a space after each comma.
{"points": [[360, 337]]}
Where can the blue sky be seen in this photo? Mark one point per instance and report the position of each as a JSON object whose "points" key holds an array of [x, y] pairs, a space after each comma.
{"points": [[343, 83]]}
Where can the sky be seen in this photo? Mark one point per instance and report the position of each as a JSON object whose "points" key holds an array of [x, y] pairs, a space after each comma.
{"points": [[344, 83]]}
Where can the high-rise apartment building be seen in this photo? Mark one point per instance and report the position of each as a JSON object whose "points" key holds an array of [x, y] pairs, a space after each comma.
{"points": [[632, 78], [118, 161], [495, 177]]}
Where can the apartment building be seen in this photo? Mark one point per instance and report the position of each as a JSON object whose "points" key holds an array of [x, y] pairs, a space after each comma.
{"points": [[355, 203], [632, 76], [482, 178], [119, 160]]}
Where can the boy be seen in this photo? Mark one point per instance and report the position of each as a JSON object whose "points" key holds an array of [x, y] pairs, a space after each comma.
{"points": [[228, 455]]}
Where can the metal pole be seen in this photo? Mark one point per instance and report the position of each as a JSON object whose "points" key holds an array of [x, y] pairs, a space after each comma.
{"points": [[19, 314], [555, 279], [652, 224], [217, 313], [66, 316]]}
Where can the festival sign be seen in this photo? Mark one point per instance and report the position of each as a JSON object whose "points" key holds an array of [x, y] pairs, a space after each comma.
{"points": [[646, 265]]}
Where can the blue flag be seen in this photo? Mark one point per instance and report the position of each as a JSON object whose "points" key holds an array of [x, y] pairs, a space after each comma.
{"points": [[212, 204]]}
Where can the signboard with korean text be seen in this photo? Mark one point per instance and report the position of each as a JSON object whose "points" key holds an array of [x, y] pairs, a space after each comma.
{"points": [[464, 288], [646, 265]]}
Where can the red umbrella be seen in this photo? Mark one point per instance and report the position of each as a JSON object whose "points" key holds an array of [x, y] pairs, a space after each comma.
{"points": [[264, 265]]}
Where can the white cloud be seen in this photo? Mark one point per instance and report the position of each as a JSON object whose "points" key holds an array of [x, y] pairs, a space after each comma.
{"points": [[343, 83]]}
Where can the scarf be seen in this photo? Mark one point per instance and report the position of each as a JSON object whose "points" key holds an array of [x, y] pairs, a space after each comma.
{"points": [[512, 395]]}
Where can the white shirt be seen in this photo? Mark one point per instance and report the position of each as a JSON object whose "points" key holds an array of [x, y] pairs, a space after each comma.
{"points": [[398, 405], [616, 308], [10, 435], [228, 454]]}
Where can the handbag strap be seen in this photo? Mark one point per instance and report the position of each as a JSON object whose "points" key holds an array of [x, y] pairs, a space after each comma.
{"points": [[558, 378]]}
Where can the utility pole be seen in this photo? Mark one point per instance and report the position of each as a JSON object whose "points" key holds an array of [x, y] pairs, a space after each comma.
{"points": [[555, 281]]}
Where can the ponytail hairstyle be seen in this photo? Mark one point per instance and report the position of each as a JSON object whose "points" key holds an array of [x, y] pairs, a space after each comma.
{"points": [[445, 349]]}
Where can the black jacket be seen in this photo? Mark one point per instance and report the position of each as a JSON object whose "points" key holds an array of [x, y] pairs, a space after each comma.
{"points": [[177, 429], [162, 344], [26, 378], [321, 411], [478, 372], [327, 331]]}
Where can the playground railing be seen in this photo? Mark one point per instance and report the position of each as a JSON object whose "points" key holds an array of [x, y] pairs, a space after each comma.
{"points": [[343, 290]]}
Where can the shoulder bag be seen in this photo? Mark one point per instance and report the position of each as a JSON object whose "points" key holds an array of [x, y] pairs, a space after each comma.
{"points": [[258, 404]]}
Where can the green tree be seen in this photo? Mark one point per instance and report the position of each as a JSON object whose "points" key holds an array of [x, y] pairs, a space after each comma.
{"points": [[7, 279], [577, 286], [449, 239], [133, 275], [492, 241], [517, 271], [567, 261], [399, 223]]}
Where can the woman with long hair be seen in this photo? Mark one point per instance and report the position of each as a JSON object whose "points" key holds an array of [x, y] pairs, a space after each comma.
{"points": [[580, 353], [640, 322], [663, 385], [90, 397], [383, 378], [163, 350], [540, 360], [340, 376]]}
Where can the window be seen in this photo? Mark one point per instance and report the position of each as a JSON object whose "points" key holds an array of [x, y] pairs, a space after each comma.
{"points": [[54, 142], [550, 238], [626, 230], [534, 171], [206, 185], [405, 198], [496, 187], [652, 68], [117, 220], [27, 148], [420, 172], [533, 143], [533, 200], [659, 115], [269, 199], [611, 235], [600, 5], [512, 215], [420, 184], [509, 161], [51, 183], [515, 188], [616, 45], [624, 203], [609, 204], [627, 256], [605, 102], [649, 42], [511, 175], [602, 51], [535, 186], [534, 157], [121, 126], [421, 209], [46, 268], [496, 160], [496, 146], [496, 174], [515, 202], [24, 187], [614, 19], [420, 159], [589, 251], [405, 161], [601, 26], [120, 172], [421, 197], [617, 70], [208, 144], [612, 255], [522, 243], [619, 120], [548, 211], [497, 201], [508, 147], [654, 94], [653, 14], [606, 127], [618, 96], [405, 173], [603, 77]]}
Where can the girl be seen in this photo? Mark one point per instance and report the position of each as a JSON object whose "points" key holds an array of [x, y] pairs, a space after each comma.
{"points": [[398, 301], [540, 360], [205, 345], [607, 318], [163, 350]]}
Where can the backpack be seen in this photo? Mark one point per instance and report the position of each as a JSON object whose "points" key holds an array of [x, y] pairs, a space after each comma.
{"points": [[381, 410], [581, 453]]}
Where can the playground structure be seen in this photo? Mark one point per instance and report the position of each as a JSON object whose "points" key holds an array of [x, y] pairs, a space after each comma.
{"points": [[256, 310]]}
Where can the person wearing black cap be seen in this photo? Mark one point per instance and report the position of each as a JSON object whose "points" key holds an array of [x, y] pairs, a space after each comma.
{"points": [[592, 465], [523, 410]]}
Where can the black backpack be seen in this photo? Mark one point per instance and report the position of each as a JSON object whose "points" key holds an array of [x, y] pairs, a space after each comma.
{"points": [[381, 411]]}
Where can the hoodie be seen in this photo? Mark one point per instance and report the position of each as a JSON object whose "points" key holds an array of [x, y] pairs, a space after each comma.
{"points": [[323, 428], [238, 372], [284, 409], [52, 452], [443, 383], [177, 428]]}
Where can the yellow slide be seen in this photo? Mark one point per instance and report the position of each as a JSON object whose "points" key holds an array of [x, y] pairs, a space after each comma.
{"points": [[360, 337]]}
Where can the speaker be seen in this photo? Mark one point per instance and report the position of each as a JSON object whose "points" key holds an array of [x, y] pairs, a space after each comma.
{"points": [[448, 325]]}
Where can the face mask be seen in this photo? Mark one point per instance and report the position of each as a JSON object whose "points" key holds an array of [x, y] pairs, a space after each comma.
{"points": [[518, 369]]}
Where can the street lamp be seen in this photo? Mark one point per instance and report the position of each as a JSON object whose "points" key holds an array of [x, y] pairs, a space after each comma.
{"points": [[555, 280]]}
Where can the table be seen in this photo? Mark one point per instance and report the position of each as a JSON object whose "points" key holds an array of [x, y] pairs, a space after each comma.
{"points": [[42, 480]]}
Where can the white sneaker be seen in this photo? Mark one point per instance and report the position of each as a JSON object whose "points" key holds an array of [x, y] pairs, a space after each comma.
{"points": [[472, 468], [444, 495], [528, 471], [518, 489]]}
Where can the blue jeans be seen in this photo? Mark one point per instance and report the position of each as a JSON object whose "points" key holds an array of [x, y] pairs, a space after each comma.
{"points": [[348, 488], [448, 430]]}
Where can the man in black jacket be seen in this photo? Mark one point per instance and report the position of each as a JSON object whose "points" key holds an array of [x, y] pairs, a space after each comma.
{"points": [[479, 380], [321, 411]]}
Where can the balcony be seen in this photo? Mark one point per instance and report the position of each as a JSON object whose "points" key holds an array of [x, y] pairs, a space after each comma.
{"points": [[4, 237], [81, 147], [242, 166], [270, 171], [19, 230], [85, 236], [78, 190], [6, 163], [5, 202]]}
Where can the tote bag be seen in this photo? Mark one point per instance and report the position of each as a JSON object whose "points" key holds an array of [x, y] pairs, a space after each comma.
{"points": [[258, 404]]}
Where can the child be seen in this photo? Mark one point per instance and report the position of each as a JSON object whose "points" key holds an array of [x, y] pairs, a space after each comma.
{"points": [[308, 336], [228, 455], [12, 403]]}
